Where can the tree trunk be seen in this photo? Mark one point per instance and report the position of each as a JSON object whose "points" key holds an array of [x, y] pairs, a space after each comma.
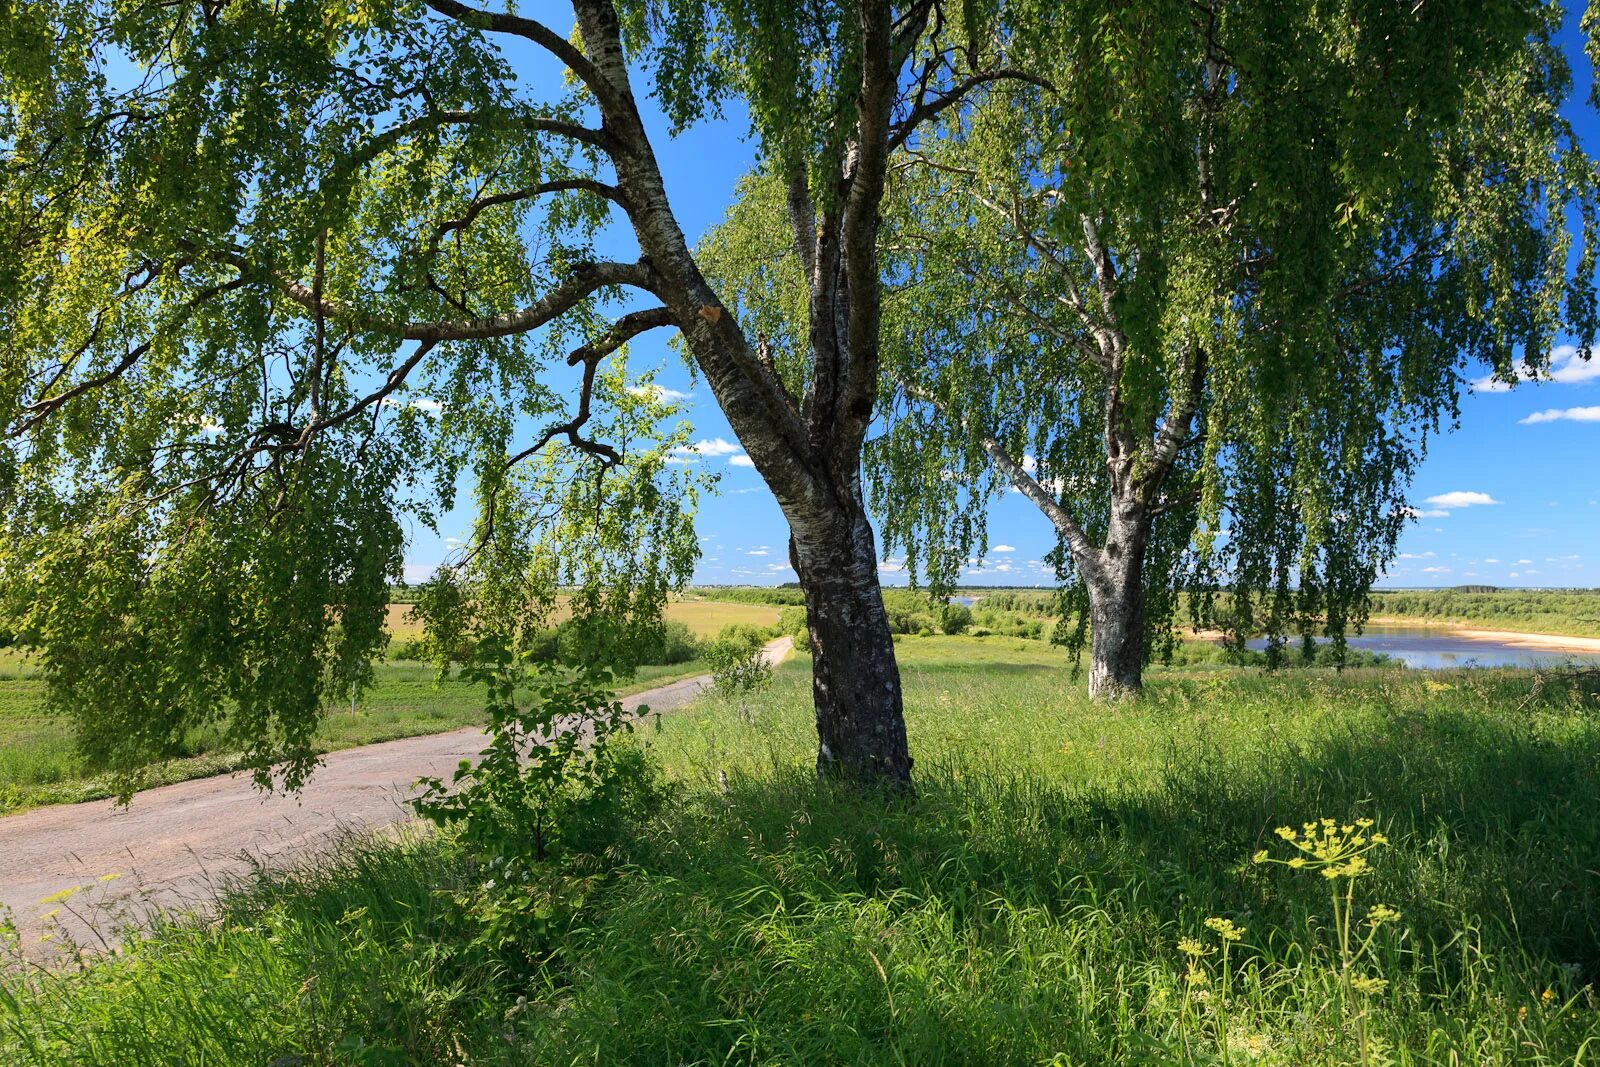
{"points": [[1116, 609], [855, 681]]}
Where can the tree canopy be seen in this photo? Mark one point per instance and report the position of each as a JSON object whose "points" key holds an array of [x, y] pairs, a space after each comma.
{"points": [[1219, 281], [282, 277]]}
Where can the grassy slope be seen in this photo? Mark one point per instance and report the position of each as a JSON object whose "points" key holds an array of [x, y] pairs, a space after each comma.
{"points": [[1574, 613], [1026, 907], [39, 763]]}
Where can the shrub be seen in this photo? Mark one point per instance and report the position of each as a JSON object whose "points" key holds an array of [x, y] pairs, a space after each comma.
{"points": [[954, 618], [678, 644], [741, 634]]}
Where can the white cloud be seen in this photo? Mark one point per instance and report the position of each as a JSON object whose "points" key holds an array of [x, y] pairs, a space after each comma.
{"points": [[1002, 548], [659, 393], [756, 551], [1461, 498], [716, 446], [1588, 414], [1415, 555], [421, 403], [892, 565], [1491, 561], [1523, 562], [741, 460], [413, 573], [1565, 367], [1436, 570]]}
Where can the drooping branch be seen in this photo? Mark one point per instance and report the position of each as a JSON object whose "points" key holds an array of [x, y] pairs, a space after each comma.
{"points": [[584, 280], [629, 326], [42, 409], [1084, 551]]}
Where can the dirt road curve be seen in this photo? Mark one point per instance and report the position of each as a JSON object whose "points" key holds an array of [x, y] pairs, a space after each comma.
{"points": [[173, 844]]}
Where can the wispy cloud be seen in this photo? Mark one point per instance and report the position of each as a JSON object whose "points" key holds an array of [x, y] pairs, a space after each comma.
{"points": [[1565, 367], [1461, 499], [1588, 414], [715, 446], [741, 460], [660, 393], [1002, 548], [421, 403], [1436, 570]]}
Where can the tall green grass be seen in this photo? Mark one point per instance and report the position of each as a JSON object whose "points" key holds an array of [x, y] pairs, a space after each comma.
{"points": [[1026, 906]]}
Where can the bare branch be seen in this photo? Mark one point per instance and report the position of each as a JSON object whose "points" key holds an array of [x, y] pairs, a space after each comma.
{"points": [[584, 281], [926, 109], [528, 29]]}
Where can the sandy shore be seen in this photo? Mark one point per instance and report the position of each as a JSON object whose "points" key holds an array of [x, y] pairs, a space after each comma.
{"points": [[1548, 642], [1514, 638]]}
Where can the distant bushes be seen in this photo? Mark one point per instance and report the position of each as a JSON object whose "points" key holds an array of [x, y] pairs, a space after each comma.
{"points": [[1561, 611], [669, 643], [1215, 653]]}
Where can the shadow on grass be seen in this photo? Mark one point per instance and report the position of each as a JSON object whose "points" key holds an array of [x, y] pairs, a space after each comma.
{"points": [[997, 918]]}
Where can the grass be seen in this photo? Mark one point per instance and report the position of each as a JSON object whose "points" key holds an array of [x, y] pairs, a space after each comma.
{"points": [[1029, 905], [40, 764]]}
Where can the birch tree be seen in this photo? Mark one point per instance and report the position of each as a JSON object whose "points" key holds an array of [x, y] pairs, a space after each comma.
{"points": [[277, 275]]}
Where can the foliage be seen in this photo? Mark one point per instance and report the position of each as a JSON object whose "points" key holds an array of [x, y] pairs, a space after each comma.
{"points": [[551, 781], [738, 662]]}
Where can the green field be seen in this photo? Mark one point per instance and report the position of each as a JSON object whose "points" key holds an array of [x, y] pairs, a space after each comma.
{"points": [[39, 763], [1029, 905]]}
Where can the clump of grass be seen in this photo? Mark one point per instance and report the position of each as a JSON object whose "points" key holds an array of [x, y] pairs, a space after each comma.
{"points": [[344, 962]]}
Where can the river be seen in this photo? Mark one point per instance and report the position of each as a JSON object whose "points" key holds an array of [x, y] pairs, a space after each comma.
{"points": [[1440, 648]]}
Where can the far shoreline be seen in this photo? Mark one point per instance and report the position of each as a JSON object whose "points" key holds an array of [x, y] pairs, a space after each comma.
{"points": [[1513, 638]]}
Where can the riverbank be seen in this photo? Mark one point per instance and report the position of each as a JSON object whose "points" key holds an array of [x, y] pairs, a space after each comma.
{"points": [[1544, 642], [1514, 638]]}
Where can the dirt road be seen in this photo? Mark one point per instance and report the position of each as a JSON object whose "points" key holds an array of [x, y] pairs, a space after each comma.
{"points": [[174, 844]]}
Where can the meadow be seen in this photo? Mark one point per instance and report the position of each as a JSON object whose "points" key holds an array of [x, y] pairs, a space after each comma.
{"points": [[40, 764], [1071, 884]]}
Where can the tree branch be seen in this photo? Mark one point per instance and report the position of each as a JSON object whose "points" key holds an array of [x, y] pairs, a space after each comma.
{"points": [[528, 29], [585, 280]]}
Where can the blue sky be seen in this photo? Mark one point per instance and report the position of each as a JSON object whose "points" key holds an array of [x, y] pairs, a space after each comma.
{"points": [[1510, 498]]}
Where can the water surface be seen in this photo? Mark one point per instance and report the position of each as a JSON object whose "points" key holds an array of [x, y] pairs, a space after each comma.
{"points": [[1440, 648]]}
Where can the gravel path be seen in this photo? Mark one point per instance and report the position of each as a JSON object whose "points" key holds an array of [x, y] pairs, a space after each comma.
{"points": [[175, 844]]}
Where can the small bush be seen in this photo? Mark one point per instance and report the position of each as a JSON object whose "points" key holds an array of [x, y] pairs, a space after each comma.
{"points": [[678, 644], [954, 618]]}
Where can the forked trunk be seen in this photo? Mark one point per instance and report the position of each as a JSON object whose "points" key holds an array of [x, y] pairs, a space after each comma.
{"points": [[861, 731]]}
